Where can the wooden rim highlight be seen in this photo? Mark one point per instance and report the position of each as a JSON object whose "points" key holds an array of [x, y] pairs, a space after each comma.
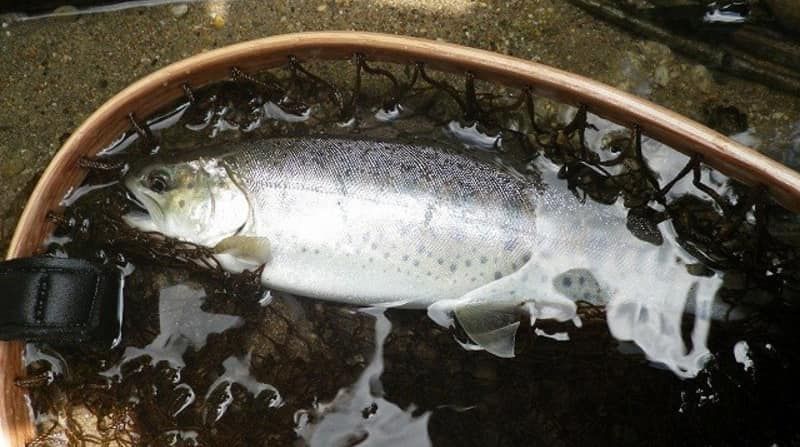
{"points": [[165, 85]]}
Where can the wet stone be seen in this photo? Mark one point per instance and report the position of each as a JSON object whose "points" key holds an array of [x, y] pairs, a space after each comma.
{"points": [[701, 78], [661, 75], [179, 10]]}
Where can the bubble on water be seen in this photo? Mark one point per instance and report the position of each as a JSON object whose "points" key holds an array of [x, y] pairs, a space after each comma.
{"points": [[472, 137], [274, 111], [389, 115], [741, 353]]}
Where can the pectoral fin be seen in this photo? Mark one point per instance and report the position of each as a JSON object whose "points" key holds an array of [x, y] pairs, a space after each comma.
{"points": [[242, 252], [491, 314]]}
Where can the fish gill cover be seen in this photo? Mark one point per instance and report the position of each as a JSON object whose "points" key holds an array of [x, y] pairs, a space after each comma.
{"points": [[609, 255]]}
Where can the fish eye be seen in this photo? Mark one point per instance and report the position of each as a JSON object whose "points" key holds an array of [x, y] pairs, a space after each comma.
{"points": [[158, 181]]}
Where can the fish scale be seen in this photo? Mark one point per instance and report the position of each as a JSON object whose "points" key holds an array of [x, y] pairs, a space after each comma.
{"points": [[437, 227]]}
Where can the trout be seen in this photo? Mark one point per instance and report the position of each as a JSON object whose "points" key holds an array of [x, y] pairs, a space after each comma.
{"points": [[424, 225]]}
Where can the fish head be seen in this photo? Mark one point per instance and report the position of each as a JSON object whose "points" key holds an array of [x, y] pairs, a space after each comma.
{"points": [[195, 201]]}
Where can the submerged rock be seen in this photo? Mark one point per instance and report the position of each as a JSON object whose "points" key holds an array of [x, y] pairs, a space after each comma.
{"points": [[726, 119], [662, 75], [701, 77]]}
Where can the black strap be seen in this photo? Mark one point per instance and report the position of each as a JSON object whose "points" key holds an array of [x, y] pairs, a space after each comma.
{"points": [[62, 301]]}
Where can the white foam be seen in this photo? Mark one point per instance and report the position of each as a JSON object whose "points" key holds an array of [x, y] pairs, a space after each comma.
{"points": [[58, 366], [471, 137], [558, 336], [718, 16], [741, 352], [73, 194], [274, 111], [392, 114], [237, 370]]}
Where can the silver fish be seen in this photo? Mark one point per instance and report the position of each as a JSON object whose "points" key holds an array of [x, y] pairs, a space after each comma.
{"points": [[377, 223]]}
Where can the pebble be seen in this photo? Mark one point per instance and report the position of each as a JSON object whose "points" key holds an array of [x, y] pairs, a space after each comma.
{"points": [[701, 77], [656, 50], [11, 166], [662, 75], [179, 10], [322, 8], [217, 21]]}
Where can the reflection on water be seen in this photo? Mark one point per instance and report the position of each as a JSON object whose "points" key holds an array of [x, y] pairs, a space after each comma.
{"points": [[237, 371], [359, 414], [649, 284], [182, 324]]}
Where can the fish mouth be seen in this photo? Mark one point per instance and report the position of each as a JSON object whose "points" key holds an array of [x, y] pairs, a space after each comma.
{"points": [[146, 212]]}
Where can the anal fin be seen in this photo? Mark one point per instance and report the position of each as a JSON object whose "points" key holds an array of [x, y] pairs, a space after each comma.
{"points": [[493, 328], [490, 315]]}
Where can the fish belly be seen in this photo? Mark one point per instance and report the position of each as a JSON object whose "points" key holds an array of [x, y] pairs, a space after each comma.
{"points": [[391, 250]]}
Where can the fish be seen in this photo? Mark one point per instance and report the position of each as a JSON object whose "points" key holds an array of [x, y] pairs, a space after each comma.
{"points": [[425, 225]]}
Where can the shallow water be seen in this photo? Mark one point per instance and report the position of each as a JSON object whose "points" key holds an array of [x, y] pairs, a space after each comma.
{"points": [[205, 362]]}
